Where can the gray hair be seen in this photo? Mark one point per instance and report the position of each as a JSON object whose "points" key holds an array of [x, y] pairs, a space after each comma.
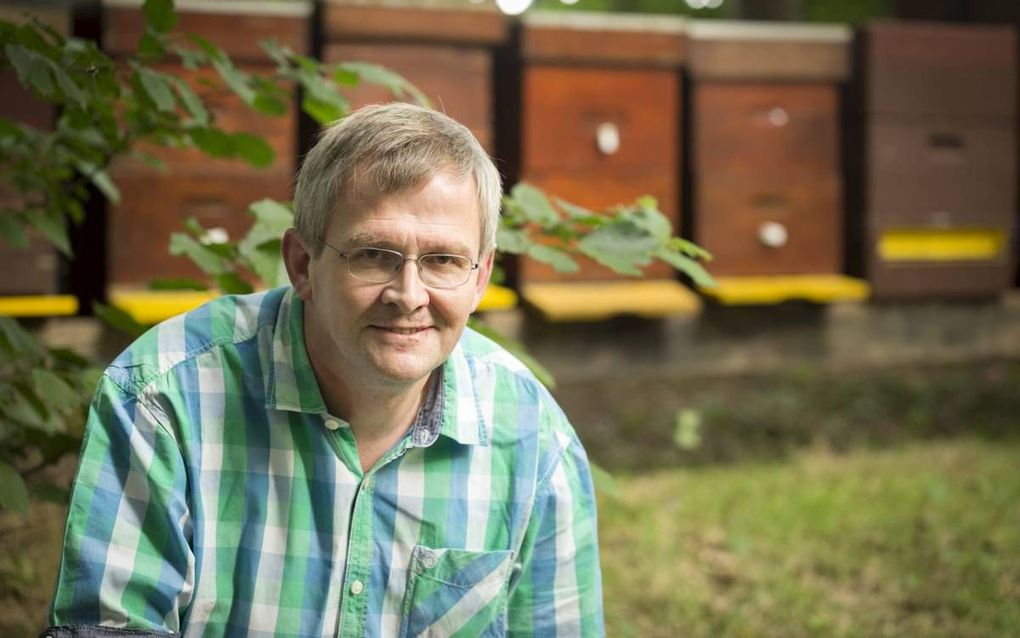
{"points": [[389, 149]]}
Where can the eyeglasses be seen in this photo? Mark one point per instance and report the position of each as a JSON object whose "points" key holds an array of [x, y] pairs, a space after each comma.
{"points": [[380, 266]]}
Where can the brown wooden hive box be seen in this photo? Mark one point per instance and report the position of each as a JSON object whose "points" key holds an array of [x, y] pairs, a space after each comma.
{"points": [[939, 109], [601, 118], [445, 52], [765, 168], [216, 191]]}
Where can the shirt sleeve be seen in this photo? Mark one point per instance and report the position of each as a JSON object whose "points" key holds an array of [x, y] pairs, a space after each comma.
{"points": [[127, 562], [559, 589]]}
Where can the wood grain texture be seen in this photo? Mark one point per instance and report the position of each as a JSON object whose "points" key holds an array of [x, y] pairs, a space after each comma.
{"points": [[941, 69], [456, 78], [603, 46], [730, 211], [768, 60], [749, 127], [564, 106], [236, 33], [477, 25], [941, 171], [154, 206]]}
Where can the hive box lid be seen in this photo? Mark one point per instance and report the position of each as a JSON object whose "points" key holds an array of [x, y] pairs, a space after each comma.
{"points": [[407, 21], [734, 50], [579, 37]]}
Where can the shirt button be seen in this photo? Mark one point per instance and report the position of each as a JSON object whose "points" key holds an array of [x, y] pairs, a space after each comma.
{"points": [[357, 587], [428, 560], [332, 424]]}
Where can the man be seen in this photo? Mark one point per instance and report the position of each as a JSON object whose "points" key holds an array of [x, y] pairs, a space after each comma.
{"points": [[339, 457]]}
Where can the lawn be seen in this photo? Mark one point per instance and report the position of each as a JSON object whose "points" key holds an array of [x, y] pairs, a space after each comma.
{"points": [[918, 541]]}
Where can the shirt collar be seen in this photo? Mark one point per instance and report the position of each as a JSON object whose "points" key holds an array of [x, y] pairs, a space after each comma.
{"points": [[291, 384]]}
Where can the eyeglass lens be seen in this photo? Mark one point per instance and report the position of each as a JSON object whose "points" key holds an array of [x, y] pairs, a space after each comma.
{"points": [[380, 266]]}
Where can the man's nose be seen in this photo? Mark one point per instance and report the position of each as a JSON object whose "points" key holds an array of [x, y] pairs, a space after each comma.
{"points": [[406, 290]]}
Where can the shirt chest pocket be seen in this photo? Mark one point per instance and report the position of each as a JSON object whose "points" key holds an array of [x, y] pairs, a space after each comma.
{"points": [[453, 592]]}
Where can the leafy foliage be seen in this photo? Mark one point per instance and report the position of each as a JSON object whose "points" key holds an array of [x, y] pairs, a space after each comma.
{"points": [[43, 400]]}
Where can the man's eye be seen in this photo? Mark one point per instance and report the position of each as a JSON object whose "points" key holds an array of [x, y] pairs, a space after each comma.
{"points": [[373, 254]]}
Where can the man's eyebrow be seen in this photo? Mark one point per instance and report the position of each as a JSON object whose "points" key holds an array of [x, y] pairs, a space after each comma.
{"points": [[445, 246]]}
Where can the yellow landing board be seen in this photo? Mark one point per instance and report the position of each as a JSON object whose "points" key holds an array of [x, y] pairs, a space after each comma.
{"points": [[497, 298], [152, 306], [760, 290], [39, 306], [598, 300], [934, 244]]}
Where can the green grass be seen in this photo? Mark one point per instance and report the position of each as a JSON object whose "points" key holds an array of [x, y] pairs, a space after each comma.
{"points": [[920, 541]]}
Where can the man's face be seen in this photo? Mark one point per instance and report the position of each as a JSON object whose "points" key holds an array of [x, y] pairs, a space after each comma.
{"points": [[392, 334]]}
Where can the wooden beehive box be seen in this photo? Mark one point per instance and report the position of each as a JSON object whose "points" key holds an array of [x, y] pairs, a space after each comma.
{"points": [[938, 111], [764, 156], [600, 117], [445, 51], [216, 192]]}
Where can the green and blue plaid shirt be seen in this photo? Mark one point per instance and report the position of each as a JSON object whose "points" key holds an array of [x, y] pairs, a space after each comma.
{"points": [[216, 496]]}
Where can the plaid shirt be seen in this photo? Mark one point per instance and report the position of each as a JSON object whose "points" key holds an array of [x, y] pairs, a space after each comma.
{"points": [[217, 496]]}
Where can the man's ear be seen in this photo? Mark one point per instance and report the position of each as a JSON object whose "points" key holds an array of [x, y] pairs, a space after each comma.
{"points": [[484, 273], [297, 258]]}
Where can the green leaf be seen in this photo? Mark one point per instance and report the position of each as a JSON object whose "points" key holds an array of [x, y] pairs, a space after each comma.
{"points": [[49, 492], [253, 149], [33, 70], [578, 213], [535, 205], [11, 231], [512, 240], [689, 248], [555, 257], [619, 246], [212, 141], [688, 266], [687, 429], [267, 262], [158, 87], [118, 319], [191, 101], [395, 82], [177, 283], [322, 112], [9, 128], [268, 103], [59, 395], [25, 407], [654, 222], [53, 227], [272, 218], [150, 48], [236, 79], [159, 15], [68, 87], [232, 284], [13, 491], [17, 341], [346, 77], [203, 256], [102, 181]]}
